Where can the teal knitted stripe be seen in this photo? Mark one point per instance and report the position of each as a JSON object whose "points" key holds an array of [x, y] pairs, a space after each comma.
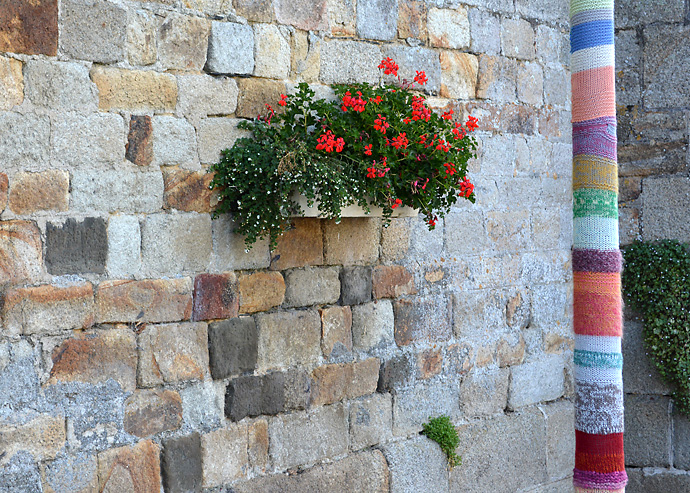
{"points": [[593, 359], [595, 202], [577, 6]]}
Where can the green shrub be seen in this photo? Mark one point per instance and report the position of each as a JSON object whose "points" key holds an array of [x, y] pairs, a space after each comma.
{"points": [[442, 431]]}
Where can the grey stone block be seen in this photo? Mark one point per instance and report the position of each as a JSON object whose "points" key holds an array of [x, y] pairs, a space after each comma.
{"points": [[273, 393], [355, 285], [397, 373], [311, 286], [485, 32], [418, 58], [630, 13], [405, 461], [111, 191], [517, 39], [202, 405], [543, 10], [183, 42], [204, 95], [174, 141], [647, 429], [413, 407], [230, 251], [548, 371], [372, 324], [681, 441], [60, 85], [640, 376], [93, 30], [642, 481], [665, 208], [288, 338], [230, 49], [232, 346], [20, 475], [485, 392], [25, 139], [560, 439], [76, 247], [297, 389], [364, 59], [215, 135], [371, 421], [665, 49], [124, 244], [70, 473], [255, 395], [181, 464], [90, 140], [377, 19]]}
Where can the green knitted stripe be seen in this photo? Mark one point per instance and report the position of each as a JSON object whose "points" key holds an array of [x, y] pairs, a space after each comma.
{"points": [[577, 6], [595, 202], [594, 359]]}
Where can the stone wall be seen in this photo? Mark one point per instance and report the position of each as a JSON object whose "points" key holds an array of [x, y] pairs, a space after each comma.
{"points": [[141, 345], [653, 93]]}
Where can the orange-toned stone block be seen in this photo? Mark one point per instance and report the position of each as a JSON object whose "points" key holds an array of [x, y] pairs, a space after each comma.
{"points": [[391, 281], [134, 469], [188, 190], [300, 246], [44, 191], [261, 291]]}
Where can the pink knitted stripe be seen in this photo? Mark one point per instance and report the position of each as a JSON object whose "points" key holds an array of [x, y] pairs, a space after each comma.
{"points": [[597, 490], [610, 481], [594, 93]]}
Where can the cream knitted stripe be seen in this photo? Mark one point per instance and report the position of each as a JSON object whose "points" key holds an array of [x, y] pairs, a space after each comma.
{"points": [[595, 233], [594, 57]]}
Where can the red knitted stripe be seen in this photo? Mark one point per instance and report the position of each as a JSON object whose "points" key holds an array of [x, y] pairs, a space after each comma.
{"points": [[610, 443], [599, 453], [593, 308], [602, 463]]}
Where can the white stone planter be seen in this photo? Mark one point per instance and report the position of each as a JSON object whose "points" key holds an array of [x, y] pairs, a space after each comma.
{"points": [[352, 210]]}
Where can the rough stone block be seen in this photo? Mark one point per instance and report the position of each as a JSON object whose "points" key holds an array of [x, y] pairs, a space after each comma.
{"points": [[473, 311], [485, 392], [48, 309], [311, 286], [633, 14], [300, 246], [183, 42], [292, 436], [422, 320], [188, 190], [26, 139], [176, 243], [449, 28], [336, 331], [202, 405], [297, 389], [139, 147], [641, 481], [305, 54], [215, 296], [395, 240], [342, 17], [458, 75], [392, 281], [411, 59], [413, 407], [181, 464], [530, 85], [134, 90], [271, 51], [663, 209], [560, 439], [333, 383], [509, 231], [365, 59], [497, 78], [204, 95], [255, 395], [232, 346], [4, 186], [230, 49], [149, 412], [485, 30], [397, 373], [93, 30], [556, 82], [255, 94], [124, 242], [377, 19], [71, 473], [517, 39], [640, 376], [288, 339], [11, 83], [160, 300], [44, 191], [215, 135], [75, 248], [543, 10], [86, 141], [511, 350], [174, 141], [548, 371], [257, 444], [223, 455], [306, 15], [255, 10], [261, 291], [59, 85], [230, 251], [371, 421], [492, 462], [141, 38], [647, 429], [353, 241], [135, 468], [42, 437], [372, 325], [681, 441], [21, 252], [356, 285], [96, 357], [404, 458], [665, 49], [29, 27]]}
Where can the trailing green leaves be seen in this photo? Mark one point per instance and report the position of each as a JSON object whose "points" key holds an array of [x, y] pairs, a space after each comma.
{"points": [[442, 431]]}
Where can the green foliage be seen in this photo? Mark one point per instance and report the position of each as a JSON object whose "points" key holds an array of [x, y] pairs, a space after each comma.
{"points": [[336, 152], [656, 281], [442, 431]]}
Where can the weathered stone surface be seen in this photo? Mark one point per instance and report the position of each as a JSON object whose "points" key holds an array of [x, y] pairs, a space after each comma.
{"points": [[215, 135], [11, 83], [403, 459], [223, 455], [171, 353], [288, 338], [141, 38], [640, 376], [174, 141], [183, 42], [297, 389], [449, 28], [59, 85], [181, 464], [412, 407], [509, 231], [458, 75], [397, 373], [664, 200], [411, 59], [271, 51], [4, 186], [530, 85], [681, 444], [412, 19], [26, 139], [257, 444], [134, 90], [365, 59], [542, 10], [29, 27], [48, 309], [333, 383], [377, 19], [371, 421], [548, 371], [517, 39], [633, 14], [305, 55], [160, 300], [372, 325], [353, 241], [342, 17], [356, 285], [392, 281], [232, 346], [215, 296], [86, 141], [311, 286], [665, 48], [202, 405], [32, 192], [336, 331], [21, 252], [505, 465], [135, 468], [93, 30], [76, 247], [647, 428], [643, 482], [230, 49], [422, 320], [254, 94], [292, 442], [255, 10], [484, 392], [42, 437], [188, 190], [95, 357], [261, 291], [511, 350], [300, 246], [139, 147], [230, 252], [497, 78], [366, 471], [306, 15], [560, 439], [110, 191], [395, 240], [485, 29], [149, 412], [70, 474], [255, 395], [204, 95]]}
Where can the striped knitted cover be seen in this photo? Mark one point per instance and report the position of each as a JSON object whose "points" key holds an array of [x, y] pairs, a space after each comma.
{"points": [[597, 261]]}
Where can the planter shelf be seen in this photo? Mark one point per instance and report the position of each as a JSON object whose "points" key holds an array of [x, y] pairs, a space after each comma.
{"points": [[351, 211]]}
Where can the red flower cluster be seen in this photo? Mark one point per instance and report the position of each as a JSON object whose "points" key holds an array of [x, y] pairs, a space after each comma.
{"points": [[466, 188], [458, 131], [357, 103], [283, 100], [381, 124], [443, 146], [400, 141], [450, 169], [397, 203], [389, 66], [420, 78], [373, 172], [327, 142], [448, 114], [367, 149], [419, 109], [472, 123]]}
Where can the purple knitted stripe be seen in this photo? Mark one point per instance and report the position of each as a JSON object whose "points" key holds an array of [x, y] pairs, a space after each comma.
{"points": [[601, 121], [603, 481], [597, 260], [596, 141]]}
